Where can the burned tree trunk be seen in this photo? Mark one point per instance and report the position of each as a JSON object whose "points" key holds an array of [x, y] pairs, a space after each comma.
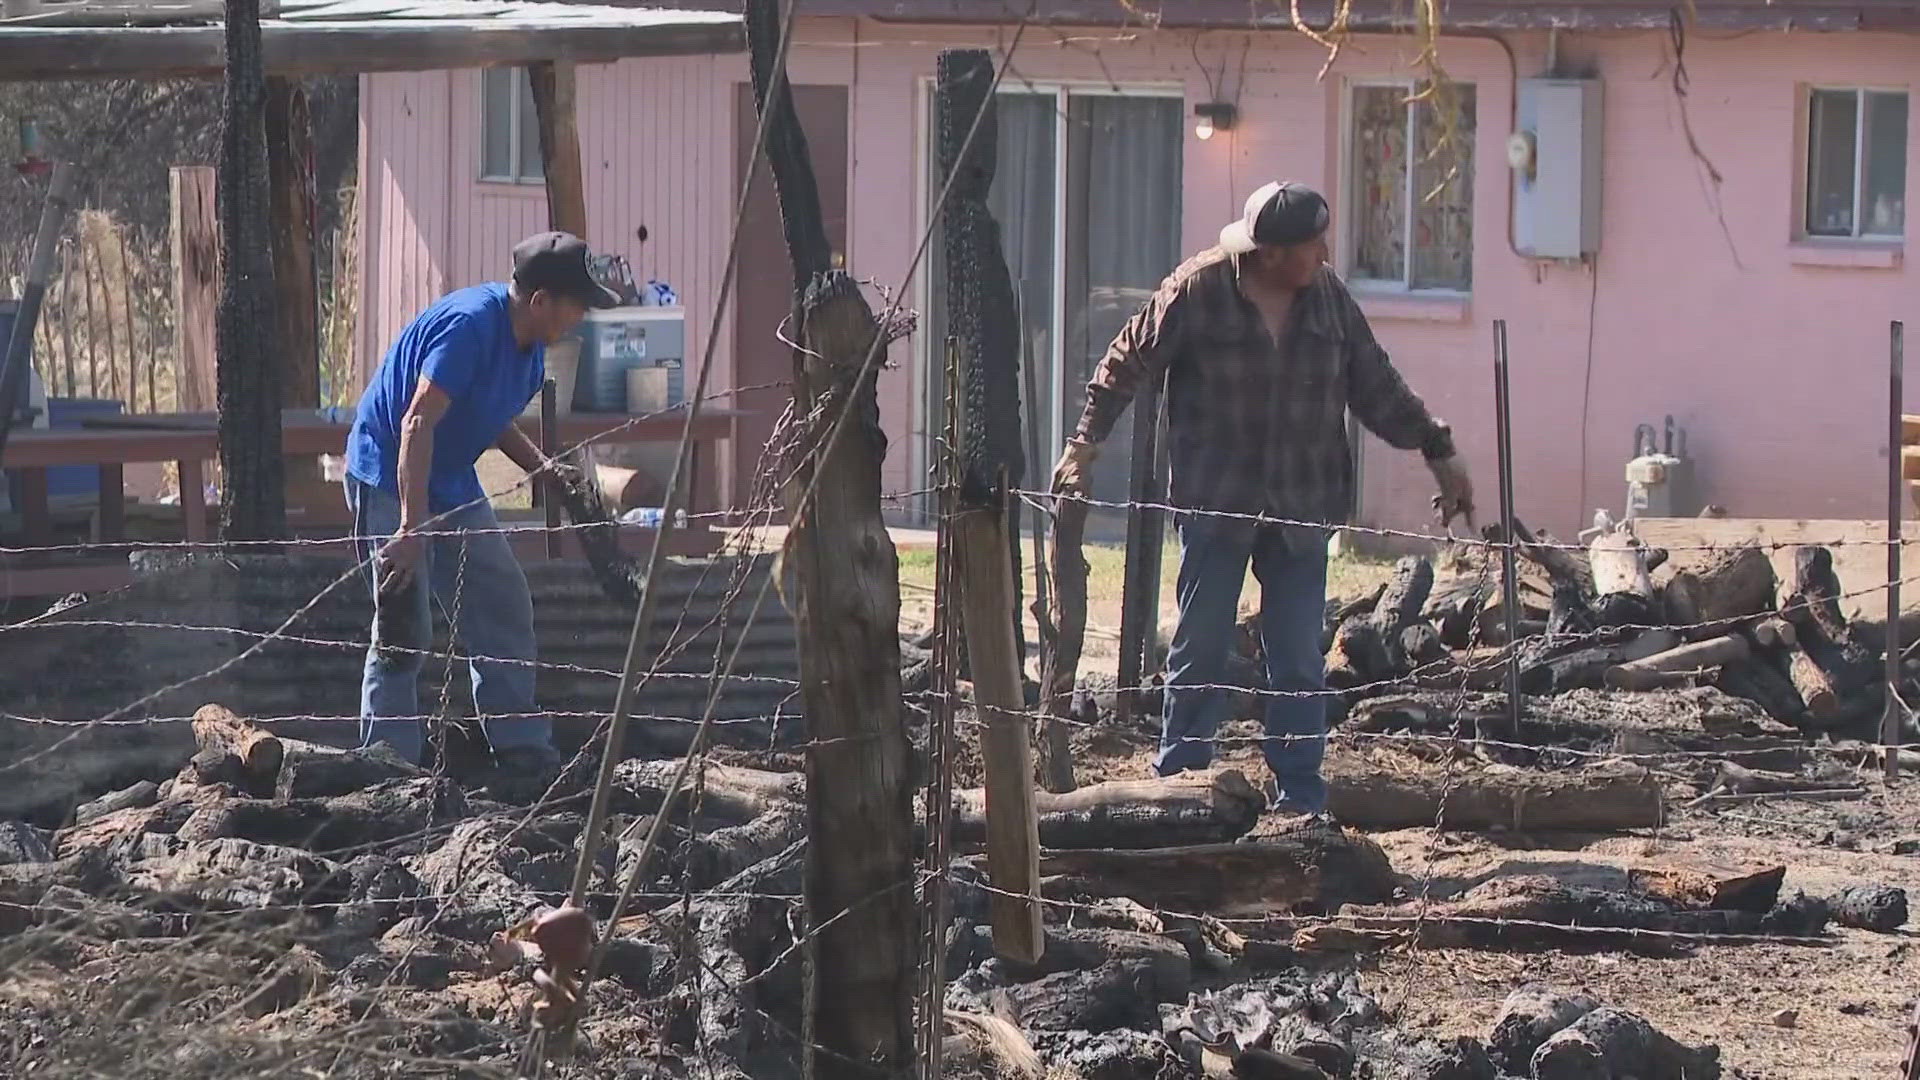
{"points": [[1728, 585], [1318, 867], [1833, 671], [1598, 799], [1571, 612], [846, 594], [981, 311], [253, 503], [1194, 807], [256, 753], [1399, 611], [1670, 668]]}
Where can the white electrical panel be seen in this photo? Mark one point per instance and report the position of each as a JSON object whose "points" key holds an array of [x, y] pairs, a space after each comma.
{"points": [[1555, 158]]}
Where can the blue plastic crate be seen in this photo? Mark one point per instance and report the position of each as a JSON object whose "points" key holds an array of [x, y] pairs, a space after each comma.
{"points": [[75, 480]]}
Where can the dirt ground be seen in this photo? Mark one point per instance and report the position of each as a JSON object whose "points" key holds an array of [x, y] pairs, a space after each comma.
{"points": [[1347, 575]]}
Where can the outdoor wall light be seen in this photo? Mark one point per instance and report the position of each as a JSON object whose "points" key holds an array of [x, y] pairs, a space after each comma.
{"points": [[1213, 116]]}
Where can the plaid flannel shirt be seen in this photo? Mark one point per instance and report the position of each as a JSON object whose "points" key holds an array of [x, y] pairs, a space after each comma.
{"points": [[1257, 427]]}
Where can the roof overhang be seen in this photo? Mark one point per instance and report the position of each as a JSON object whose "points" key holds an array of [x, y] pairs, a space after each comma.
{"points": [[332, 37], [1380, 15]]}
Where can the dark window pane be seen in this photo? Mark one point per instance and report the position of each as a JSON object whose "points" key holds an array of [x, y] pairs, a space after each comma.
{"points": [[496, 122], [1832, 118], [1123, 238]]}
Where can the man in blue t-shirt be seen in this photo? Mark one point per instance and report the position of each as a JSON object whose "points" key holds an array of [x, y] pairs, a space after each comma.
{"points": [[448, 391]]}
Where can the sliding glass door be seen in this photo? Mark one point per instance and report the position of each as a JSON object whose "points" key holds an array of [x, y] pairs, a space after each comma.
{"points": [[1087, 196]]}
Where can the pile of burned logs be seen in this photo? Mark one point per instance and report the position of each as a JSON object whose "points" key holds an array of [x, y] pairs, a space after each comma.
{"points": [[1185, 935], [1616, 616]]}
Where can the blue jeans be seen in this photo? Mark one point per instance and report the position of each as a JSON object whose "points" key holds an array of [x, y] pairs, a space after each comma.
{"points": [[1291, 567], [484, 595]]}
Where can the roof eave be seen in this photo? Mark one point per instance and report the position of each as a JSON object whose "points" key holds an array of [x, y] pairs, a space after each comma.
{"points": [[1373, 16], [294, 48]]}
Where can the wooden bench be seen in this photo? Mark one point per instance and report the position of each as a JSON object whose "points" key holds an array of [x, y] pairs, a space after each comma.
{"points": [[190, 440]]}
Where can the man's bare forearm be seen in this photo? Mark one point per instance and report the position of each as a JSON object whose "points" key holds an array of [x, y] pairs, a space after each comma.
{"points": [[415, 465], [520, 449]]}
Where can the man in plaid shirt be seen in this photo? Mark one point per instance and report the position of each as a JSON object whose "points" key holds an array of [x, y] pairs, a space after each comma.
{"points": [[1264, 352]]}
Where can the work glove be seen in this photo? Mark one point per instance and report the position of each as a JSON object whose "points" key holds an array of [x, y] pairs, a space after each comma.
{"points": [[1072, 475], [1456, 490]]}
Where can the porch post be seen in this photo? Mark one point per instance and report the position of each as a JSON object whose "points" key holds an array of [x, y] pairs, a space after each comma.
{"points": [[553, 100]]}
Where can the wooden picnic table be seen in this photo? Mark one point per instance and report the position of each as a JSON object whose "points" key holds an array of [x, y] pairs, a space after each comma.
{"points": [[191, 439]]}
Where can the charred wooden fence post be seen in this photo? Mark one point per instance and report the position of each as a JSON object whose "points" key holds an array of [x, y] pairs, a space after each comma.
{"points": [[843, 584], [253, 504], [1060, 654], [1146, 542], [984, 321]]}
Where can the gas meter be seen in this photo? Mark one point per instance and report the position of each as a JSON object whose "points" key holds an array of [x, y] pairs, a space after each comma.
{"points": [[1660, 476]]}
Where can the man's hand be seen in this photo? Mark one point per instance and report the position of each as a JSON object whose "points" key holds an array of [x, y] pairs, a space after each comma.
{"points": [[1072, 474], [563, 473], [399, 560], [1456, 490]]}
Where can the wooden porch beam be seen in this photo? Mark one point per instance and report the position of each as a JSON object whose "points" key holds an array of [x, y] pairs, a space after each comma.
{"points": [[291, 217], [291, 220], [555, 101]]}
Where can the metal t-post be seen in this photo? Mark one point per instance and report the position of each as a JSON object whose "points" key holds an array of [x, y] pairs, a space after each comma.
{"points": [[1510, 584], [1890, 720]]}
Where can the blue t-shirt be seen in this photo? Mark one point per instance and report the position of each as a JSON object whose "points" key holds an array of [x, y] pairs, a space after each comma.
{"points": [[464, 344]]}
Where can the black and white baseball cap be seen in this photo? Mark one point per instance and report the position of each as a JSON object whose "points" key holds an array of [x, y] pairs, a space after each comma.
{"points": [[1281, 212], [558, 262]]}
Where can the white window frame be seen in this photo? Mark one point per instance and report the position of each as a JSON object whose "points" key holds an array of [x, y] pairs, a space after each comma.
{"points": [[1859, 92], [924, 167], [517, 129], [1349, 174]]}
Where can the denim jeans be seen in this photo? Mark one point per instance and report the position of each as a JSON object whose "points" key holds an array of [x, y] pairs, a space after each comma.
{"points": [[1291, 566], [482, 591]]}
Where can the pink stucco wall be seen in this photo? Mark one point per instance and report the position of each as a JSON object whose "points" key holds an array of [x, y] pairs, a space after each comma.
{"points": [[1700, 304]]}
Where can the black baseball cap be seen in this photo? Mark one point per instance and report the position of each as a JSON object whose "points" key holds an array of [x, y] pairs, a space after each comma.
{"points": [[1281, 212], [558, 263]]}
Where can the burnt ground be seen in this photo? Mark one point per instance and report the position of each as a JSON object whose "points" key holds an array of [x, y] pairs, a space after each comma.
{"points": [[1852, 997], [352, 988], [213, 932]]}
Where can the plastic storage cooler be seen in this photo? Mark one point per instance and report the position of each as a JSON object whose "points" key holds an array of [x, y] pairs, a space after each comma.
{"points": [[616, 340], [74, 481]]}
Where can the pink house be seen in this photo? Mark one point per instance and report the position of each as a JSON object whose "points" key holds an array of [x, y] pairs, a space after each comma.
{"points": [[1704, 224]]}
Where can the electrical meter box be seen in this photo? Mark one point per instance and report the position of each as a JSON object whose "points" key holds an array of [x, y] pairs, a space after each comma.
{"points": [[616, 339], [1660, 480], [1555, 158]]}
